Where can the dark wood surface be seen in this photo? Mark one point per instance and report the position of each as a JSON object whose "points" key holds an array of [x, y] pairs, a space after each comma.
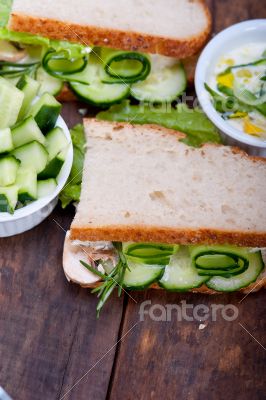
{"points": [[50, 339]]}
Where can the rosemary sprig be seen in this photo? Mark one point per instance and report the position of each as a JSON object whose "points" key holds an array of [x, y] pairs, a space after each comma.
{"points": [[109, 281]]}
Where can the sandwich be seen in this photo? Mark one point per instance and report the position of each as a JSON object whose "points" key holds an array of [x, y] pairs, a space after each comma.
{"points": [[157, 213], [103, 52]]}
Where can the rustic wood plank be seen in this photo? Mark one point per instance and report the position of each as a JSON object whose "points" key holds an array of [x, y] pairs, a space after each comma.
{"points": [[228, 12], [172, 360], [257, 9], [49, 334]]}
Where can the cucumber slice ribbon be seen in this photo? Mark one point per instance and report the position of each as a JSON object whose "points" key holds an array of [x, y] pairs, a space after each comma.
{"points": [[61, 64], [223, 261], [124, 67], [116, 66], [150, 253]]}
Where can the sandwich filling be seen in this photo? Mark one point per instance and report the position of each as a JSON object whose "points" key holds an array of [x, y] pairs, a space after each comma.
{"points": [[99, 76], [222, 268]]}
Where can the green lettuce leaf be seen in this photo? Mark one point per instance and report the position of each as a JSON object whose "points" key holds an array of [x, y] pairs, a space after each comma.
{"points": [[71, 191], [5, 8], [193, 122], [24, 38]]}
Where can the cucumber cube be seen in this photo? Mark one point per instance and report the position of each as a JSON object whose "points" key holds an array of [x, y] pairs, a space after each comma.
{"points": [[30, 88], [6, 143], [8, 170], [54, 166], [46, 110], [56, 141], [27, 184], [11, 100], [8, 199], [46, 187], [32, 155], [27, 131]]}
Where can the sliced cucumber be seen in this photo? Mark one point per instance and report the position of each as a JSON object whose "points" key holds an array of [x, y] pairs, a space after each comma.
{"points": [[88, 85], [222, 272], [149, 253], [180, 274], [54, 166], [11, 100], [46, 187], [46, 111], [8, 170], [27, 184], [161, 85], [48, 84], [30, 88], [124, 66], [56, 141], [255, 267], [219, 260], [32, 155], [8, 198], [6, 143], [27, 131], [141, 276], [101, 94]]}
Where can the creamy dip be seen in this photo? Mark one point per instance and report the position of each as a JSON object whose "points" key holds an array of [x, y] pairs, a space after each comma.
{"points": [[232, 74]]}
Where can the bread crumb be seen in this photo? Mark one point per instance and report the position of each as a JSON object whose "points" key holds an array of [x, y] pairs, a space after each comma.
{"points": [[157, 194], [202, 326]]}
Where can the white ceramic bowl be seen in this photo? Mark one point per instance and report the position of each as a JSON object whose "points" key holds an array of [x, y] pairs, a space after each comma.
{"points": [[227, 40], [33, 214]]}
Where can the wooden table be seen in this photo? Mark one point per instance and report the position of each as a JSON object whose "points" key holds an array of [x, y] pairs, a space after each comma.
{"points": [[52, 346]]}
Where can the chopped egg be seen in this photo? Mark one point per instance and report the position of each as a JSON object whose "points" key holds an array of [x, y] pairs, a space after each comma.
{"points": [[226, 80], [251, 128]]}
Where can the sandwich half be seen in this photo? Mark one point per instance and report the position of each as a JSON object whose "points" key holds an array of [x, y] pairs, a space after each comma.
{"points": [[106, 51], [178, 28], [155, 212]]}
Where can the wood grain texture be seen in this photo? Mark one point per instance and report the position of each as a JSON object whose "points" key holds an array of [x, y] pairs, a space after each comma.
{"points": [[178, 360], [50, 337], [228, 12]]}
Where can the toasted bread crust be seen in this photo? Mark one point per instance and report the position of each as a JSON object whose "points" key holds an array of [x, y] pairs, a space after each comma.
{"points": [[167, 235], [66, 94], [114, 38]]}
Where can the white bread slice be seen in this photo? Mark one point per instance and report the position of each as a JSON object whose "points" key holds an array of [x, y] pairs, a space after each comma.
{"points": [[140, 183], [176, 28], [75, 272]]}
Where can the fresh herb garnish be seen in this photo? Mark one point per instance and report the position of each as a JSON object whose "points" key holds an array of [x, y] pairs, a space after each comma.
{"points": [[109, 281]]}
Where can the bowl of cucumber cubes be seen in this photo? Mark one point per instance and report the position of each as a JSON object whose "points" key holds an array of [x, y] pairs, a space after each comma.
{"points": [[36, 155]]}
